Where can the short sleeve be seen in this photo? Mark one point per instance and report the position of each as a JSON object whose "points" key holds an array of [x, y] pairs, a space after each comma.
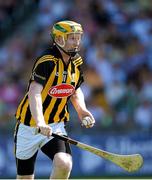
{"points": [[42, 72]]}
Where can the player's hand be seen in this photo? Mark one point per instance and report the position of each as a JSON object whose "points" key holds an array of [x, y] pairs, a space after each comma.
{"points": [[45, 129], [88, 121]]}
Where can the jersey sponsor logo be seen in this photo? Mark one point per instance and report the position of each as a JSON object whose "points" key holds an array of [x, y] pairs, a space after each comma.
{"points": [[61, 91]]}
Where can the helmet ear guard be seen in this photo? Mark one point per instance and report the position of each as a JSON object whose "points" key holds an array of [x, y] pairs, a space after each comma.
{"points": [[60, 44]]}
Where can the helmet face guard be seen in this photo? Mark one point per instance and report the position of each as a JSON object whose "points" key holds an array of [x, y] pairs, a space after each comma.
{"points": [[63, 28]]}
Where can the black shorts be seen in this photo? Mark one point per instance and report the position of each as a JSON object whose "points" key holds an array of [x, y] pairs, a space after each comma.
{"points": [[26, 167]]}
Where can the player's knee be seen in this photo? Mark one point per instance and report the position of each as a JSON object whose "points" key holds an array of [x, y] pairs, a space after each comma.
{"points": [[63, 162]]}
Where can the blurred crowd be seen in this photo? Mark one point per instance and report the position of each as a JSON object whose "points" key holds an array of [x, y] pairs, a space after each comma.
{"points": [[117, 53], [12, 13]]}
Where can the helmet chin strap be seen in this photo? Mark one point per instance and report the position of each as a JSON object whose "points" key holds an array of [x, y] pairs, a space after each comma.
{"points": [[71, 53]]}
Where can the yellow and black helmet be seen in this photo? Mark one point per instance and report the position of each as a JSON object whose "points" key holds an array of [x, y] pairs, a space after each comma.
{"points": [[63, 28]]}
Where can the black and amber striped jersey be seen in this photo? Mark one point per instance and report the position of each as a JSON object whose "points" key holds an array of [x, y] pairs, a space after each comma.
{"points": [[59, 82]]}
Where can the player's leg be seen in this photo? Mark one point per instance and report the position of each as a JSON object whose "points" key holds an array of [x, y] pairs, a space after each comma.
{"points": [[25, 168], [60, 153], [26, 148], [62, 165]]}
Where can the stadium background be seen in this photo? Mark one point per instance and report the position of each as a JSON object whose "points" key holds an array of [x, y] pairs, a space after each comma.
{"points": [[117, 49]]}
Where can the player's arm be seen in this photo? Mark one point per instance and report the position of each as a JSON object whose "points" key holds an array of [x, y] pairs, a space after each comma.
{"points": [[35, 101], [78, 102], [40, 75]]}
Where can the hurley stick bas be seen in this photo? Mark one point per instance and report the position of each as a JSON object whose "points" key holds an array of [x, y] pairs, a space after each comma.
{"points": [[130, 163]]}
